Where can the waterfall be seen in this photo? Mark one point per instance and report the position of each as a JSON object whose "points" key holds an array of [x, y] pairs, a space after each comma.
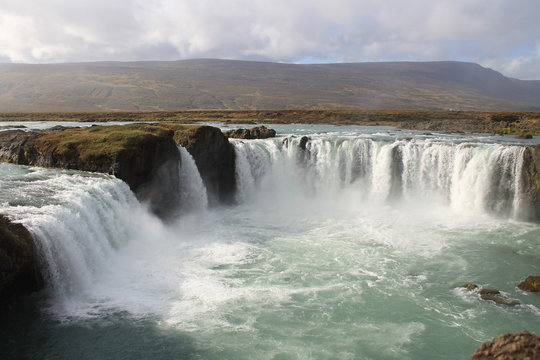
{"points": [[78, 220], [83, 222], [470, 178], [192, 190]]}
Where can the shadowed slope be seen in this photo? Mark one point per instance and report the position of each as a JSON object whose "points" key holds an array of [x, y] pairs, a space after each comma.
{"points": [[225, 84]]}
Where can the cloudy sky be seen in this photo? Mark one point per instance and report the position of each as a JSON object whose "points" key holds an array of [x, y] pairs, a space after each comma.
{"points": [[501, 34]]}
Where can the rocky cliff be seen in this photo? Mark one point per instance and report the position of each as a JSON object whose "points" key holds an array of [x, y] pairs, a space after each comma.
{"points": [[144, 156], [531, 184], [18, 266], [215, 159]]}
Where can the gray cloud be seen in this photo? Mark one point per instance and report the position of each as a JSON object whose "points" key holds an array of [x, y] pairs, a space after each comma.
{"points": [[502, 34]]}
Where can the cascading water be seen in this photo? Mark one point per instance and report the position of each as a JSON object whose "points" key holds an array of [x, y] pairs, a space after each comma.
{"points": [[470, 178], [346, 245], [192, 190], [78, 219]]}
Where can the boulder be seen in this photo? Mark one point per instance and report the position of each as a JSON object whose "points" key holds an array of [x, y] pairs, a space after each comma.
{"points": [[531, 283], [18, 264], [470, 286], [518, 346], [258, 132]]}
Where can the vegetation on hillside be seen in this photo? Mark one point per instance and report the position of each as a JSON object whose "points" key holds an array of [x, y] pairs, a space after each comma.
{"points": [[244, 85]]}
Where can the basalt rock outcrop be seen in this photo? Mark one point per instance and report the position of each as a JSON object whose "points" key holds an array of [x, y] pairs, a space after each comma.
{"points": [[18, 268], [518, 346], [258, 132], [145, 156], [215, 159], [140, 154], [531, 184]]}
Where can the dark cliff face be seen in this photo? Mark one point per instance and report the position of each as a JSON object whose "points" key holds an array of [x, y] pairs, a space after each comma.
{"points": [[18, 265], [531, 184], [215, 159], [144, 156]]}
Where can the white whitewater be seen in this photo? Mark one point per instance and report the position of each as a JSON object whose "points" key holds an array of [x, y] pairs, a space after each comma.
{"points": [[79, 220], [85, 222], [469, 178]]}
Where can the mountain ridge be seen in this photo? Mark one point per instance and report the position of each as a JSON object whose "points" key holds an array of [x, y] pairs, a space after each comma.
{"points": [[250, 85]]}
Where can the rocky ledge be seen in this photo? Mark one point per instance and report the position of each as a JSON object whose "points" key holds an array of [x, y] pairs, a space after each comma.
{"points": [[18, 268], [519, 346], [215, 159], [258, 132], [145, 156], [130, 152]]}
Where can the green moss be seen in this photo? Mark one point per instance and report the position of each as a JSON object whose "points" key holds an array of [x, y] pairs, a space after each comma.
{"points": [[102, 142], [186, 137]]}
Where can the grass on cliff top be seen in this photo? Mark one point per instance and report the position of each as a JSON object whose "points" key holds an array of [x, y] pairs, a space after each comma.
{"points": [[104, 141]]}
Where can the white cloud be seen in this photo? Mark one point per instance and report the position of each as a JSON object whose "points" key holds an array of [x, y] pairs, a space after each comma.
{"points": [[498, 32]]}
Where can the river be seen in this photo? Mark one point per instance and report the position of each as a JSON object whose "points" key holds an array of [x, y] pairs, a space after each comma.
{"points": [[354, 248]]}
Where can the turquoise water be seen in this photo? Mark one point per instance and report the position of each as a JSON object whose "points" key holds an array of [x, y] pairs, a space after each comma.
{"points": [[302, 272]]}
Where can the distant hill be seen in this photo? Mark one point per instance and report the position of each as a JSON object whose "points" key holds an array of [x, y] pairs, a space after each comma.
{"points": [[228, 84]]}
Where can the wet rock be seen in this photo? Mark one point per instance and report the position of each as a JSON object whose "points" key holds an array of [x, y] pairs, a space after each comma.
{"points": [[524, 136], [18, 264], [470, 286], [258, 132], [496, 296], [531, 283], [215, 159], [530, 177], [491, 295], [518, 346], [303, 142]]}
